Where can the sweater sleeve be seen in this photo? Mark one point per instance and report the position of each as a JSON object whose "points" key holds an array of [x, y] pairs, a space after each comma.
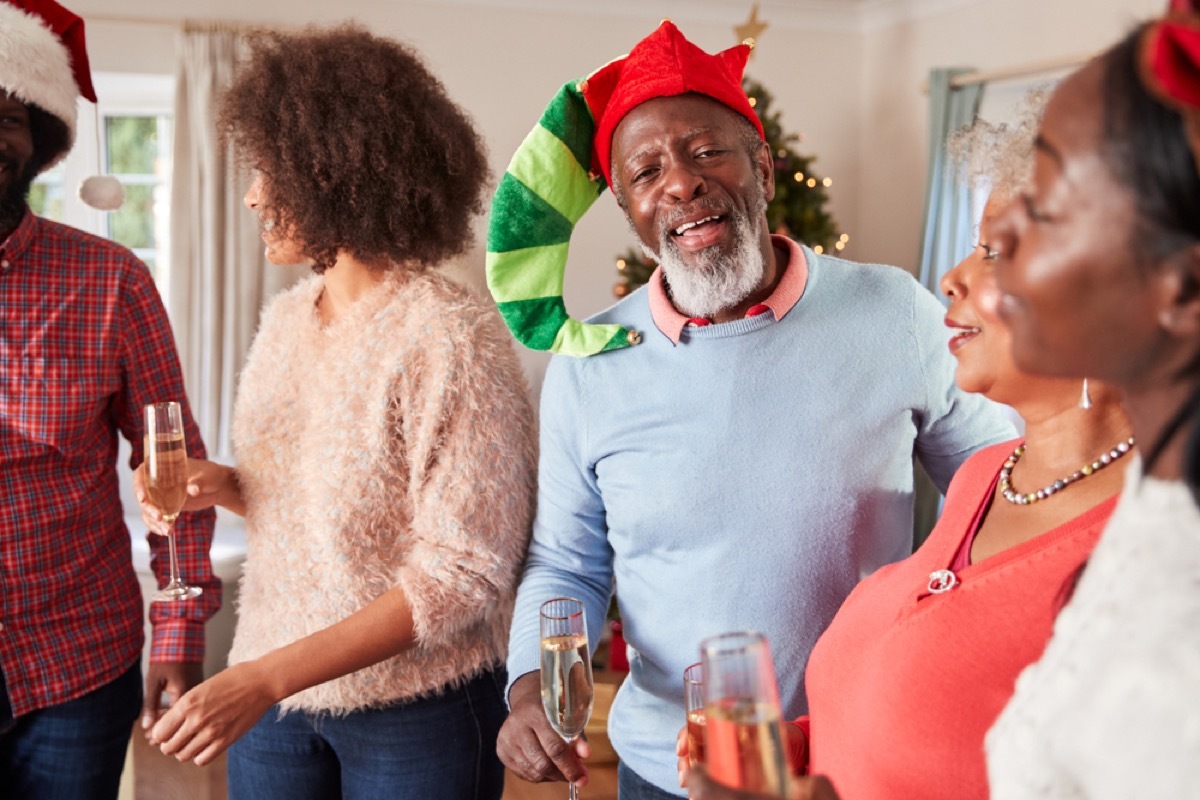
{"points": [[465, 433], [570, 555], [952, 423]]}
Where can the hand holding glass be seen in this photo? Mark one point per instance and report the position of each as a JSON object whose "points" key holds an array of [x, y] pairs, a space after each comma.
{"points": [[566, 669], [693, 699], [743, 732], [166, 477]]}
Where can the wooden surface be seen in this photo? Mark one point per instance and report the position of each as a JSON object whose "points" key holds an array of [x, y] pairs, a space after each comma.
{"points": [[602, 785], [158, 777]]}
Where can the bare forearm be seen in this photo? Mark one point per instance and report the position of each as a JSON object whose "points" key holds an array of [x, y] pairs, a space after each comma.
{"points": [[381, 629], [230, 497]]}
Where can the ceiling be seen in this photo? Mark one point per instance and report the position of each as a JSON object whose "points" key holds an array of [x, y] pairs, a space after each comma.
{"points": [[843, 15]]}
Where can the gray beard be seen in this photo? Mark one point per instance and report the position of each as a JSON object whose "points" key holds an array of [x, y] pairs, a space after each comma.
{"points": [[715, 280]]}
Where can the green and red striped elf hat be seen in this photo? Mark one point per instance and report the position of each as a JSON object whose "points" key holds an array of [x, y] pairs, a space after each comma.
{"points": [[564, 165]]}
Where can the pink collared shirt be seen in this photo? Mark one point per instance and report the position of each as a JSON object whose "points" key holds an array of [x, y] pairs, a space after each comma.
{"points": [[787, 293]]}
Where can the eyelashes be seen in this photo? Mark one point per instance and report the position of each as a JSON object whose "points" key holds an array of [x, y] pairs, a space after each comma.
{"points": [[989, 253], [1031, 209]]}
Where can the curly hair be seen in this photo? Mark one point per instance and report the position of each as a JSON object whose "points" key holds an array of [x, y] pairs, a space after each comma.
{"points": [[999, 156], [359, 146]]}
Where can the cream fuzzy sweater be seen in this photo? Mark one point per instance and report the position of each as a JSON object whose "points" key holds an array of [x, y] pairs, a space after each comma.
{"points": [[1112, 709], [393, 447]]}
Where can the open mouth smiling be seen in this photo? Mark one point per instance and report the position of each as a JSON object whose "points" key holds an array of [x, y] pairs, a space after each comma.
{"points": [[687, 226], [699, 232], [961, 334]]}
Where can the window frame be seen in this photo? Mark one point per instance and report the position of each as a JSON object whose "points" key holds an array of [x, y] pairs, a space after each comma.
{"points": [[120, 95]]}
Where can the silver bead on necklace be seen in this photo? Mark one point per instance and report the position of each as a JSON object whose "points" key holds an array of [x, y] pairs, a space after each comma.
{"points": [[1023, 499]]}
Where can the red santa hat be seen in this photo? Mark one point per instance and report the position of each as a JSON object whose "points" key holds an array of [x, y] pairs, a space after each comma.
{"points": [[43, 60], [664, 64]]}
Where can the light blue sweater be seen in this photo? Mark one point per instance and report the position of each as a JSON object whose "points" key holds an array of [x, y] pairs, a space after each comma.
{"points": [[746, 478]]}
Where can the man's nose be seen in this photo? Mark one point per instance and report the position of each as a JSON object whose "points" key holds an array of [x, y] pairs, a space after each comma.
{"points": [[684, 181]]}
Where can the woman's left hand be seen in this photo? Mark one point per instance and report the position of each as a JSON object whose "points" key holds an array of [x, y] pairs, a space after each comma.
{"points": [[683, 763], [201, 724], [702, 787]]}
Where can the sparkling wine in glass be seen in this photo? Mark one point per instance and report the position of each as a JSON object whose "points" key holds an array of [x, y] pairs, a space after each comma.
{"points": [[566, 669], [693, 699], [166, 478], [743, 744]]}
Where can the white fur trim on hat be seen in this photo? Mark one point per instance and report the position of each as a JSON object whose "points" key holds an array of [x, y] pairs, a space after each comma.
{"points": [[35, 67]]}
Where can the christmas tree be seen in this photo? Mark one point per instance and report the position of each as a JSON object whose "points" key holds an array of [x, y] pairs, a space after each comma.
{"points": [[798, 209]]}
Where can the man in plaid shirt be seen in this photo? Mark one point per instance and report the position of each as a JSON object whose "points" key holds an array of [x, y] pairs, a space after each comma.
{"points": [[84, 344]]}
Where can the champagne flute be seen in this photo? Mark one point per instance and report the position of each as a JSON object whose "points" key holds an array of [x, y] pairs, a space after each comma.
{"points": [[166, 478], [743, 736], [693, 700], [566, 669]]}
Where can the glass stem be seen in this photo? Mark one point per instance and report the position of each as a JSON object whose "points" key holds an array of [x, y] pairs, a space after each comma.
{"points": [[573, 790], [174, 559]]}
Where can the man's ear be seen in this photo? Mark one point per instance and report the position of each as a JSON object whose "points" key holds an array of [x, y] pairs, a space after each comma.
{"points": [[1179, 311], [765, 163]]}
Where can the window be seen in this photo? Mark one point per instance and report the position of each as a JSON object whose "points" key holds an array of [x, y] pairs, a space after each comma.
{"points": [[46, 194], [137, 152], [126, 135]]}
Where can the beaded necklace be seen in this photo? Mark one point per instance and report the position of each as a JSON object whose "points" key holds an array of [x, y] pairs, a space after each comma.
{"points": [[1022, 499]]}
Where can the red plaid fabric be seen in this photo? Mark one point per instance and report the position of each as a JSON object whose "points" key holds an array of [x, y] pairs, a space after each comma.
{"points": [[84, 344]]}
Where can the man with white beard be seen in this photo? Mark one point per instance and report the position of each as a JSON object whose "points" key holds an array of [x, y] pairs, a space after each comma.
{"points": [[736, 451], [717, 279]]}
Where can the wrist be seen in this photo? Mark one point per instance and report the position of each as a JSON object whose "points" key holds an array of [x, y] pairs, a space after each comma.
{"points": [[528, 684], [229, 484], [271, 680], [230, 496]]}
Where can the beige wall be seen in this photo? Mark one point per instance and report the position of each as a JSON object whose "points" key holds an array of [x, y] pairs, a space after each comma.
{"points": [[854, 94], [893, 124]]}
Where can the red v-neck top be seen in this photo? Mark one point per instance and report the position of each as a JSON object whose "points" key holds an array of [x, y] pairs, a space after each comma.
{"points": [[904, 684]]}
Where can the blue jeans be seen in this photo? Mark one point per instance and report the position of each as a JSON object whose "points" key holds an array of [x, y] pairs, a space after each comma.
{"points": [[441, 747], [72, 751], [631, 786]]}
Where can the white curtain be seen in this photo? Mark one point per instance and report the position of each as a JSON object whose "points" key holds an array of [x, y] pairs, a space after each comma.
{"points": [[219, 278], [949, 231]]}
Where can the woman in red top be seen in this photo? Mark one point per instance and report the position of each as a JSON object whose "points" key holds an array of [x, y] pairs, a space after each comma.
{"points": [[924, 653]]}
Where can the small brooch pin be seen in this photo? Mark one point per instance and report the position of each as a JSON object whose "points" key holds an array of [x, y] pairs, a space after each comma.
{"points": [[942, 580]]}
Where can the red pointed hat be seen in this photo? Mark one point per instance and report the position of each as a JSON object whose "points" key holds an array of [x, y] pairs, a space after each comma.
{"points": [[664, 64], [1170, 64], [1171, 54]]}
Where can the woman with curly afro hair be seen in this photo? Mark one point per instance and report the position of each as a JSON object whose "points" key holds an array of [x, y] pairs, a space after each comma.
{"points": [[385, 446]]}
